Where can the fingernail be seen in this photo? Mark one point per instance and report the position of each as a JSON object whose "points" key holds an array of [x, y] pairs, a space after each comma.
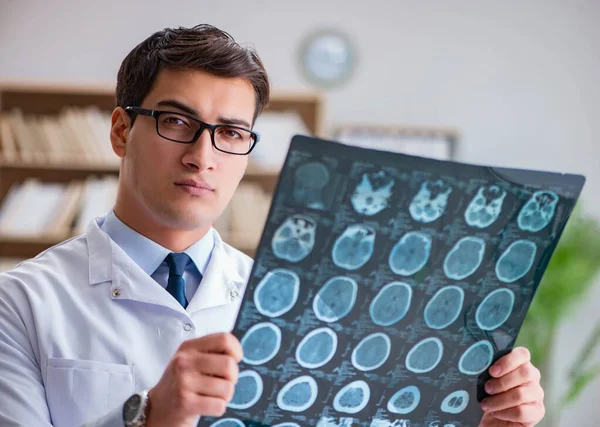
{"points": [[484, 405], [489, 388], [495, 370]]}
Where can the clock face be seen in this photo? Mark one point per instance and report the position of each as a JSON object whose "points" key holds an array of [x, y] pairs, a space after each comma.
{"points": [[327, 58]]}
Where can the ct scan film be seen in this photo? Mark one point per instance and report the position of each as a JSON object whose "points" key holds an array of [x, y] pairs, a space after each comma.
{"points": [[385, 285]]}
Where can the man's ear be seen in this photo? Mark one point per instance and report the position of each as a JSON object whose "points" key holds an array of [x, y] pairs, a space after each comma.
{"points": [[120, 127]]}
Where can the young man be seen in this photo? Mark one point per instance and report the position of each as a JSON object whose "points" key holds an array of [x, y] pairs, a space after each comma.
{"points": [[145, 300]]}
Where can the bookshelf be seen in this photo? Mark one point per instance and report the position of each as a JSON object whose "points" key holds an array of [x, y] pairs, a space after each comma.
{"points": [[40, 102]]}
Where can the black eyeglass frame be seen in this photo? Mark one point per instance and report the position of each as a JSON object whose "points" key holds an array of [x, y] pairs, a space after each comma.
{"points": [[203, 125]]}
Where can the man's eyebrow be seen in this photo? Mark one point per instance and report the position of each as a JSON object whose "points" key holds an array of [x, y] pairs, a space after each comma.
{"points": [[176, 104], [222, 120], [234, 122]]}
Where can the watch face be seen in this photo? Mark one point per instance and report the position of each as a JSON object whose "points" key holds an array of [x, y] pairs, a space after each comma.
{"points": [[327, 58], [131, 408]]}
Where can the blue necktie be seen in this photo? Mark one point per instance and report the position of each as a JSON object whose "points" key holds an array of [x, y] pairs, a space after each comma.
{"points": [[176, 285]]}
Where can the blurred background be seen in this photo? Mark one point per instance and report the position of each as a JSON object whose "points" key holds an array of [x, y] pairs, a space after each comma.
{"points": [[502, 83]]}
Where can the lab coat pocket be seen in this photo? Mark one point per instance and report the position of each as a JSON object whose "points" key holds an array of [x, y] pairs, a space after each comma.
{"points": [[79, 391]]}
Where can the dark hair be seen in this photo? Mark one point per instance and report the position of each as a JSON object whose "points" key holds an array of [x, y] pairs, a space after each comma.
{"points": [[202, 47]]}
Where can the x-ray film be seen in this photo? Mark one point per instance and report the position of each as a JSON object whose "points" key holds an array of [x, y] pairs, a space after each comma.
{"points": [[385, 285]]}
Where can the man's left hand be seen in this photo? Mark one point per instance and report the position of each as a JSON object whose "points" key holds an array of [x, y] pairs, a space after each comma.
{"points": [[516, 396]]}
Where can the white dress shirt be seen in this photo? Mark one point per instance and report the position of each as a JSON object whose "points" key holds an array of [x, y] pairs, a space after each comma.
{"points": [[83, 326]]}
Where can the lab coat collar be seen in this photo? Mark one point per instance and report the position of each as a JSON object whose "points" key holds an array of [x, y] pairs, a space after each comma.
{"points": [[221, 284]]}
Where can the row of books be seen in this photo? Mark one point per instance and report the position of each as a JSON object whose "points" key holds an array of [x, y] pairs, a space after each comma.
{"points": [[74, 136], [35, 209]]}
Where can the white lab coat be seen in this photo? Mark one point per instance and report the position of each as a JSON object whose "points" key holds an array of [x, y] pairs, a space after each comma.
{"points": [[82, 327]]}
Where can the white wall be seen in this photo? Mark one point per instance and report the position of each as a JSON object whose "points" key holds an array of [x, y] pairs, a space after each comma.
{"points": [[520, 80]]}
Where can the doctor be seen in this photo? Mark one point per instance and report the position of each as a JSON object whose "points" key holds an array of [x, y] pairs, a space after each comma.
{"points": [[128, 325]]}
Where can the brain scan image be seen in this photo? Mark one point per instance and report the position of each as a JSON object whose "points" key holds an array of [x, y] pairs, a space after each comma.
{"points": [[352, 398], [444, 307], [391, 304], [298, 395], [455, 402], [405, 400], [431, 201], [476, 358], [371, 352], [228, 422], [295, 238], [248, 390], [354, 247], [287, 425], [261, 343], [333, 422], [486, 206], [495, 309], [425, 355], [538, 211], [516, 261], [335, 299], [464, 258], [379, 422], [309, 181], [317, 348], [410, 254], [372, 194], [277, 292]]}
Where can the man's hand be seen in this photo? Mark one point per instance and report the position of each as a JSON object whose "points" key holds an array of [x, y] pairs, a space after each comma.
{"points": [[199, 381], [517, 399]]}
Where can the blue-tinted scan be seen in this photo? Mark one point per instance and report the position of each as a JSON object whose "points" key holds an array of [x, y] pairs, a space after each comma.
{"points": [[371, 352], [298, 395], [335, 299], [430, 202], [425, 355], [476, 358], [248, 390], [495, 309], [538, 211], [317, 348], [295, 238], [352, 398], [391, 304], [228, 422], [486, 206], [516, 261], [310, 180], [405, 400], [444, 307], [464, 258], [372, 194], [354, 247], [385, 285], [261, 343], [277, 292], [455, 402], [410, 254]]}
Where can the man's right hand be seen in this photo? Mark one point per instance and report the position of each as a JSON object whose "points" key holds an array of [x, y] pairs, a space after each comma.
{"points": [[199, 381]]}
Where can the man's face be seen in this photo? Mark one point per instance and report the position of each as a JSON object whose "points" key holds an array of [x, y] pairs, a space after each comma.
{"points": [[157, 172]]}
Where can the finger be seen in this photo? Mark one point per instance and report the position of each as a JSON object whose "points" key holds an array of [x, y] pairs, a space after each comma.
{"points": [[211, 387], [207, 406], [521, 395], [217, 365], [517, 357], [524, 374], [222, 343], [528, 414]]}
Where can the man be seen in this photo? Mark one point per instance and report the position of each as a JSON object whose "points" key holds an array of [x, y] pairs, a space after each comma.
{"points": [[145, 300]]}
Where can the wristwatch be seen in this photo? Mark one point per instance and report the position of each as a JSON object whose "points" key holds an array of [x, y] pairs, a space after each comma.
{"points": [[135, 410]]}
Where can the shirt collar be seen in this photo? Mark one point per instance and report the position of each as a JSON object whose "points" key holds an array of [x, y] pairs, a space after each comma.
{"points": [[149, 255]]}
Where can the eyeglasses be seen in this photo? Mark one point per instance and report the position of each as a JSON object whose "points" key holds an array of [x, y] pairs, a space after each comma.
{"points": [[182, 128]]}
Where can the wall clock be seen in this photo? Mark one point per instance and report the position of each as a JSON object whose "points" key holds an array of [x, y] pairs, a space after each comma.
{"points": [[327, 58]]}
